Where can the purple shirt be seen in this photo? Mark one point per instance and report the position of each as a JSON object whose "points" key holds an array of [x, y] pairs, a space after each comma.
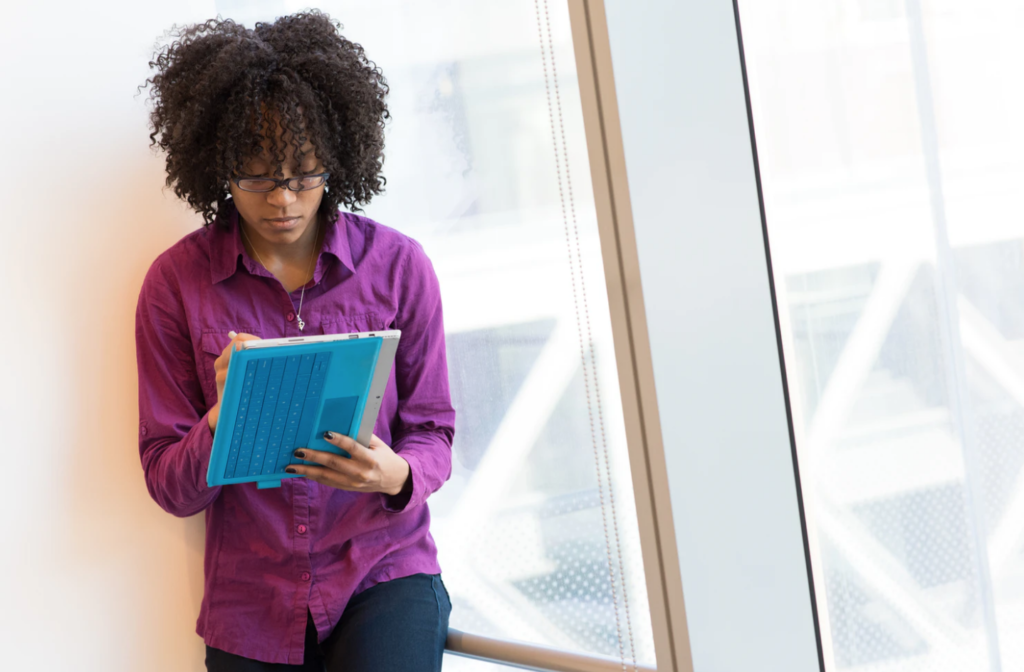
{"points": [[272, 554]]}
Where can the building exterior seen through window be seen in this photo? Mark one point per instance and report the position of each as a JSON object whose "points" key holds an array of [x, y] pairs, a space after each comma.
{"points": [[889, 145]]}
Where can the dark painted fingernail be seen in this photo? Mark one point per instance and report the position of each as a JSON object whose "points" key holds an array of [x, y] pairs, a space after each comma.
{"points": [[299, 454], [289, 470], [328, 435]]}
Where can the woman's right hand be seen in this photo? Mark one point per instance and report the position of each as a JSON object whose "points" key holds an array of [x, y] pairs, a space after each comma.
{"points": [[220, 368]]}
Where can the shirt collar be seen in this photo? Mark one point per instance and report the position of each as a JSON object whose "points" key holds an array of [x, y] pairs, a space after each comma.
{"points": [[226, 246], [336, 242]]}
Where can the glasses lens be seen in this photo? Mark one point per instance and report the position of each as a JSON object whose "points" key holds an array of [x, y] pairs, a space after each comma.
{"points": [[252, 184], [309, 182]]}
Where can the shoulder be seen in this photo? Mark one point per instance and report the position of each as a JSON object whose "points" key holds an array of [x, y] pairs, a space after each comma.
{"points": [[402, 252], [401, 270], [185, 262]]}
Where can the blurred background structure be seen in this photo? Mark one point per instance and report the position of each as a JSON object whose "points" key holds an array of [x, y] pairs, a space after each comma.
{"points": [[889, 146]]}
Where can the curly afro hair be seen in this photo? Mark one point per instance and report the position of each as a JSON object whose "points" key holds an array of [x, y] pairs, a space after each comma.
{"points": [[220, 86]]}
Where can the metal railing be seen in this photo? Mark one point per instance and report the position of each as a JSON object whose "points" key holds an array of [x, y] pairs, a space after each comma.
{"points": [[533, 657]]}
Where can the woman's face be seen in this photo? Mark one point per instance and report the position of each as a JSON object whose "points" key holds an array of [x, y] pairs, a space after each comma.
{"points": [[280, 216]]}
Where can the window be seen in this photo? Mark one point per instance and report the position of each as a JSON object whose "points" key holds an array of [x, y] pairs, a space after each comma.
{"points": [[487, 167], [890, 159]]}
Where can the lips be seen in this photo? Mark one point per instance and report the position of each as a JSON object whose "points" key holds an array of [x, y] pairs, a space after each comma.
{"points": [[278, 223]]}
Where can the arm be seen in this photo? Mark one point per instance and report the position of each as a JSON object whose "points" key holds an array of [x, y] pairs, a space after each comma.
{"points": [[175, 438], [423, 429]]}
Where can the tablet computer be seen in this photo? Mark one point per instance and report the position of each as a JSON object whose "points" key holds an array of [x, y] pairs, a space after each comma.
{"points": [[284, 393]]}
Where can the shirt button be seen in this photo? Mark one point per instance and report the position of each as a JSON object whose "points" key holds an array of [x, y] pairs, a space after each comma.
{"points": [[302, 529], [305, 576], [291, 316]]}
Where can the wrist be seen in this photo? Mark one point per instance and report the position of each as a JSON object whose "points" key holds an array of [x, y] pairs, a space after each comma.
{"points": [[212, 417]]}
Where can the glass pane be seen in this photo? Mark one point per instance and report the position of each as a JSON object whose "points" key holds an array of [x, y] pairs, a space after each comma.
{"points": [[890, 153], [487, 167]]}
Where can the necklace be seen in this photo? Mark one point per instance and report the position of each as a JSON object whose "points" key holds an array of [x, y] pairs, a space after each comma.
{"points": [[298, 313]]}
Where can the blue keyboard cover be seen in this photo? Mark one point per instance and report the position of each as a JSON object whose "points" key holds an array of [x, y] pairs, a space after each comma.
{"points": [[279, 401]]}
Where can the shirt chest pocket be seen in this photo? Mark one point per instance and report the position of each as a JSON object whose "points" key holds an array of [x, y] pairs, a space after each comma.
{"points": [[211, 345], [350, 324]]}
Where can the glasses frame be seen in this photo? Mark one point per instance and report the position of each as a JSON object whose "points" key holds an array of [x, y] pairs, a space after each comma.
{"points": [[285, 182]]}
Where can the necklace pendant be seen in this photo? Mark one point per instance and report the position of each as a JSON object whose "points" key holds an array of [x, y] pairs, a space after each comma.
{"points": [[302, 325]]}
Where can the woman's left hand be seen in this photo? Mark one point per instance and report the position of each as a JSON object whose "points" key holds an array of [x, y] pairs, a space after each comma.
{"points": [[373, 468]]}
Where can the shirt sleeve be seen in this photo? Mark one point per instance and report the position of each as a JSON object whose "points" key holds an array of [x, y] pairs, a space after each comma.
{"points": [[174, 432], [425, 421]]}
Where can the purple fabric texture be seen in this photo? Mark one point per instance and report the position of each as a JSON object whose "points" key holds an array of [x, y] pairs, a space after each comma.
{"points": [[272, 554]]}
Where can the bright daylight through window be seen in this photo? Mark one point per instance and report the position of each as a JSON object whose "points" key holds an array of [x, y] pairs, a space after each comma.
{"points": [[890, 150]]}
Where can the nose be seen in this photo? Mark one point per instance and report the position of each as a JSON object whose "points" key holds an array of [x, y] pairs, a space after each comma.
{"points": [[281, 197]]}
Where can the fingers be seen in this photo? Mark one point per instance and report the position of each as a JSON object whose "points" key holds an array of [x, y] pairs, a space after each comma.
{"points": [[330, 460], [336, 471], [357, 471], [347, 443], [369, 469], [220, 365], [237, 338], [330, 478]]}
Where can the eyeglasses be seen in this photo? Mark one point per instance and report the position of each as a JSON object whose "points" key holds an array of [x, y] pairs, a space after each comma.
{"points": [[266, 184]]}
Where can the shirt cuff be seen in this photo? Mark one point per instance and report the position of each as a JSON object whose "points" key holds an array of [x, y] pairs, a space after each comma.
{"points": [[409, 498], [176, 469]]}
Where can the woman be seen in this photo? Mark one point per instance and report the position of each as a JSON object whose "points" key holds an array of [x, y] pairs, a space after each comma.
{"points": [[267, 132]]}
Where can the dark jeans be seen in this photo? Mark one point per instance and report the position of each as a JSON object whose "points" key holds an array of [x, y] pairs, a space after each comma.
{"points": [[395, 626]]}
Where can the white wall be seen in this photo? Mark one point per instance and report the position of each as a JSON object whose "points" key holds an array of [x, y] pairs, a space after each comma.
{"points": [[93, 575]]}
